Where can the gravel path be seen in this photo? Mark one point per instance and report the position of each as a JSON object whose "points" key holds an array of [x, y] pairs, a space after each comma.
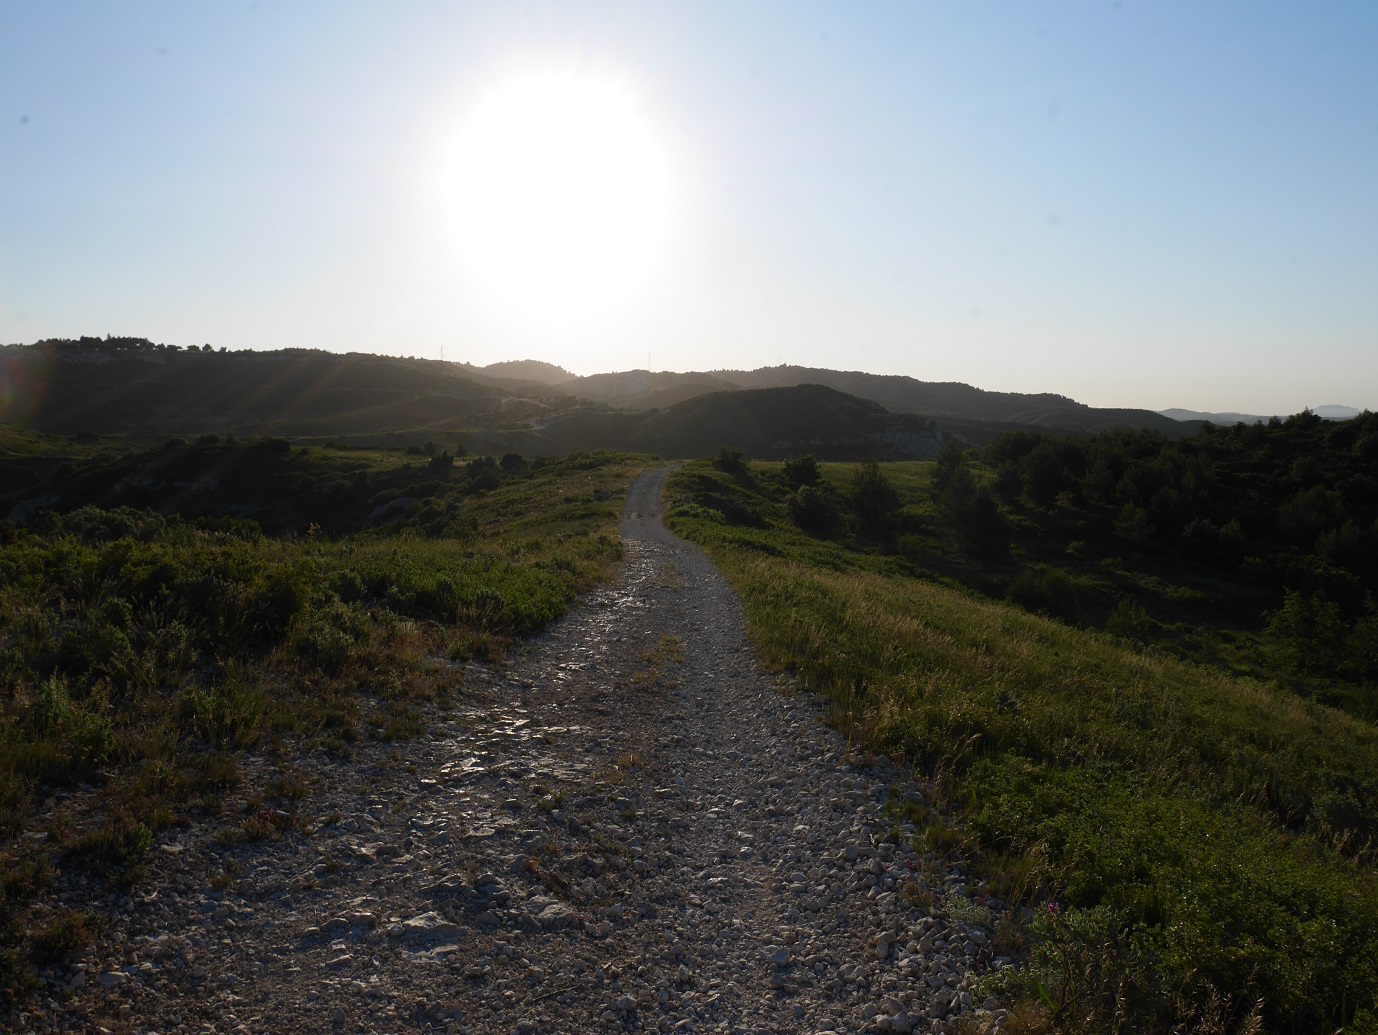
{"points": [[627, 828]]}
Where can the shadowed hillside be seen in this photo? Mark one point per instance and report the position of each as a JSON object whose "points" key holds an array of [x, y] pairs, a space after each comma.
{"points": [[773, 423], [973, 414], [524, 370], [645, 390], [954, 401], [132, 387], [766, 423]]}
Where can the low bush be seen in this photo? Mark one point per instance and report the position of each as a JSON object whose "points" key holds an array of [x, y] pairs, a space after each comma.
{"points": [[1046, 591]]}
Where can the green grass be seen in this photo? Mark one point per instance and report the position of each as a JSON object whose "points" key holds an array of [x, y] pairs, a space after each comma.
{"points": [[143, 654], [1223, 825]]}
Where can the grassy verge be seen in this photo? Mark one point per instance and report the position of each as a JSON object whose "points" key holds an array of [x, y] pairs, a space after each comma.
{"points": [[1196, 831], [144, 654]]}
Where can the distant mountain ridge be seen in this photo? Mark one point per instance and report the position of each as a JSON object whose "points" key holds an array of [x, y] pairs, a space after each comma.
{"points": [[1331, 412], [523, 370], [766, 423], [974, 414], [944, 400], [136, 388], [131, 386]]}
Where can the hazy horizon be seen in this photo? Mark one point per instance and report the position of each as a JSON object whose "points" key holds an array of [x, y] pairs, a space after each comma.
{"points": [[1132, 205]]}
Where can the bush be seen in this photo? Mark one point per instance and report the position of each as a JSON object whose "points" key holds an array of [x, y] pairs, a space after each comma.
{"points": [[799, 471], [1310, 634], [483, 474], [974, 516], [225, 716], [1128, 620], [814, 512], [1200, 540], [1135, 525], [730, 461], [327, 637], [278, 598], [1044, 473], [950, 459], [874, 500], [1009, 483], [735, 511], [1046, 591]]}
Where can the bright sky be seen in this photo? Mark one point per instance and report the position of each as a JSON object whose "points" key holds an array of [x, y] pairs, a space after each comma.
{"points": [[1140, 204]]}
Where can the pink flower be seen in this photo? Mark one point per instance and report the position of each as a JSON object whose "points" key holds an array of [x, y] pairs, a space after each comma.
{"points": [[1053, 907]]}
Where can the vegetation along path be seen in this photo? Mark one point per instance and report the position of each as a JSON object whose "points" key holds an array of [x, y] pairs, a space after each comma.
{"points": [[628, 827]]}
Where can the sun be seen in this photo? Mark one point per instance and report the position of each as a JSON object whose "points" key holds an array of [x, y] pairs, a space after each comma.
{"points": [[561, 197]]}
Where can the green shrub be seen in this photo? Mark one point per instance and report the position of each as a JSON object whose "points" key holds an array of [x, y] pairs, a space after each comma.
{"points": [[951, 457], [814, 511], [225, 716], [799, 471], [1009, 483], [278, 597], [1128, 620], [974, 516], [1310, 634], [1135, 524], [327, 637], [113, 849], [1046, 591], [874, 500], [63, 935], [730, 461]]}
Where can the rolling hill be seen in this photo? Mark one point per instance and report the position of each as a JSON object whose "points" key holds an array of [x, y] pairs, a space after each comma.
{"points": [[974, 407], [134, 388], [139, 388], [131, 386], [972, 414], [767, 423]]}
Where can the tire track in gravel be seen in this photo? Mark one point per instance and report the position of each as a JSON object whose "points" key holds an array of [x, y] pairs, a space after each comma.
{"points": [[627, 828]]}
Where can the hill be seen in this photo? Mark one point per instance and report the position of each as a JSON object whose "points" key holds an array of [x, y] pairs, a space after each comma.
{"points": [[770, 424], [527, 370], [131, 386], [972, 414], [644, 390], [135, 388], [973, 406], [774, 423], [1227, 418]]}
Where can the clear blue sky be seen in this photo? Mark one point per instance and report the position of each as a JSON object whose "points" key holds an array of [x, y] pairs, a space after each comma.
{"points": [[1140, 204]]}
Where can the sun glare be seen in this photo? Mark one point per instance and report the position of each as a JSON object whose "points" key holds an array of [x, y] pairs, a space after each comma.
{"points": [[561, 197]]}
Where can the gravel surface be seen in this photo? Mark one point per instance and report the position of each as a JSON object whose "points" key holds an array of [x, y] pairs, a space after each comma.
{"points": [[628, 827]]}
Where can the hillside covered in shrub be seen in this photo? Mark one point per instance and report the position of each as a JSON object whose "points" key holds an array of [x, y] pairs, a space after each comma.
{"points": [[1159, 739]]}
